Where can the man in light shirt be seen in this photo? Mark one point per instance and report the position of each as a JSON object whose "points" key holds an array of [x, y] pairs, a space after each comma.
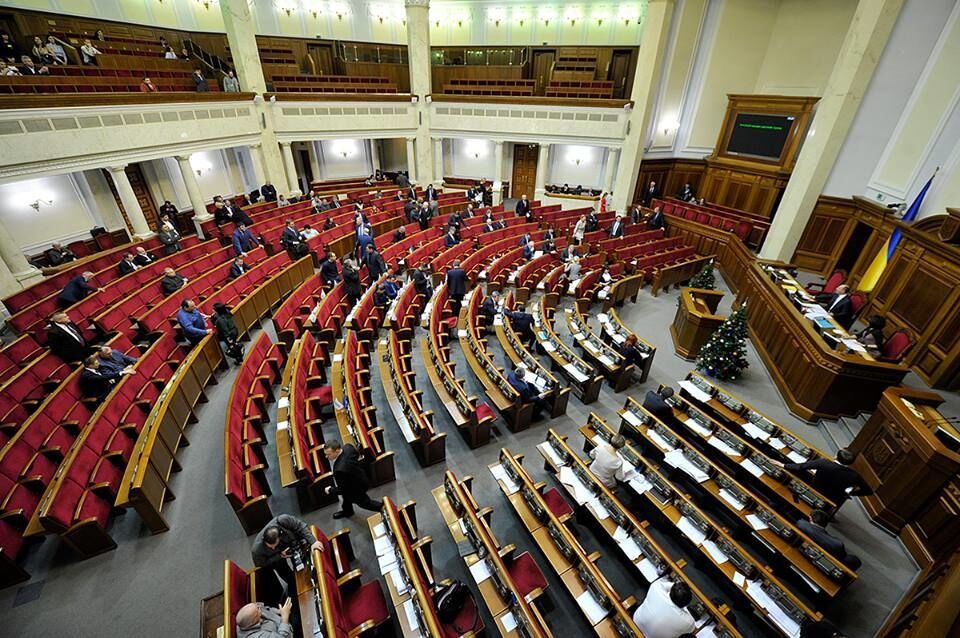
{"points": [[607, 465], [663, 613]]}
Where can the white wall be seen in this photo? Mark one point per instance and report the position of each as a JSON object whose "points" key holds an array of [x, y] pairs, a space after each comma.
{"points": [[67, 219], [472, 158], [344, 158], [393, 154], [565, 170]]}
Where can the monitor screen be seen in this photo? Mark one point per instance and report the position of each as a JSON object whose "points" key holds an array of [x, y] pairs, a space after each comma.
{"points": [[759, 135]]}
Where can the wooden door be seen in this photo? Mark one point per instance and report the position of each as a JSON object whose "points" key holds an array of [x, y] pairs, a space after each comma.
{"points": [[524, 178], [543, 62], [620, 74], [321, 56]]}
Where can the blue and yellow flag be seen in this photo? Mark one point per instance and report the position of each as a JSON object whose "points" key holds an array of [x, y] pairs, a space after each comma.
{"points": [[885, 255]]}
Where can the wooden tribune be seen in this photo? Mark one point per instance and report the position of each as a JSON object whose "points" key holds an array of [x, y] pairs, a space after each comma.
{"points": [[695, 321], [908, 455]]}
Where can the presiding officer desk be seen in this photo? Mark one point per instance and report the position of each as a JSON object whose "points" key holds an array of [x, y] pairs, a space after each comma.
{"points": [[814, 362]]}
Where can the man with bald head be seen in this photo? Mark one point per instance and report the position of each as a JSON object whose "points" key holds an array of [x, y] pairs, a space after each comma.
{"points": [[256, 620]]}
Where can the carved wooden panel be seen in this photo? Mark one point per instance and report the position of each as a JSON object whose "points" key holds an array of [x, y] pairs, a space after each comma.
{"points": [[884, 452], [917, 304]]}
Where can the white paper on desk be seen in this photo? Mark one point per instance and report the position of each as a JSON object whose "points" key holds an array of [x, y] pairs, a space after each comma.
{"points": [[755, 522], [679, 461], [284, 402], [480, 571], [619, 338], [398, 582], [388, 562], [461, 333], [777, 443], [337, 357], [696, 427], [547, 449], [739, 579], [628, 545], [508, 621], [603, 317], [579, 336], [597, 439], [755, 432], [498, 320], [854, 345], [599, 510], [796, 457], [501, 475], [379, 530], [722, 446], [694, 391], [776, 614], [812, 311], [605, 360], [718, 556], [630, 417], [283, 425], [549, 347], [595, 613], [660, 443], [690, 530], [648, 570], [382, 545], [728, 497], [641, 484], [575, 372], [463, 526], [410, 614], [707, 632], [751, 467], [541, 285]]}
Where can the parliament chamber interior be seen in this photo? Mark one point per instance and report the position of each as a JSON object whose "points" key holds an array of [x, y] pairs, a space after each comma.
{"points": [[452, 318]]}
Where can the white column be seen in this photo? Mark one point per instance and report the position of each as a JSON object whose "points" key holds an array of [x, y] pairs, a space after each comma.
{"points": [[418, 63], [256, 156], [240, 26], [865, 41], [193, 189], [543, 165], [131, 205], [314, 161], [411, 160], [613, 155], [375, 155], [497, 171], [290, 167], [15, 267], [438, 161]]}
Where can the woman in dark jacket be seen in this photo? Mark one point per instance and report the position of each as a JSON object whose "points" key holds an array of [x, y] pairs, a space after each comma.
{"points": [[222, 320], [351, 281]]}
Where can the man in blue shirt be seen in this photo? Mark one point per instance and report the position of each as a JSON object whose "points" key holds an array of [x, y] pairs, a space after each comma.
{"points": [[192, 321], [114, 359], [392, 286], [243, 240]]}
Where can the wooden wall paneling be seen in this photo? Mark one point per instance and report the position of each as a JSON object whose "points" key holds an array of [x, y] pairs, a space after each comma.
{"points": [[399, 74], [441, 74], [929, 607], [524, 178], [142, 191], [825, 235], [670, 175]]}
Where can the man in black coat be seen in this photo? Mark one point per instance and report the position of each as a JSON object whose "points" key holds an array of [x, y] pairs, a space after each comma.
{"points": [[221, 215], [237, 268], [422, 281], [272, 547], [328, 270], [522, 323], [351, 281], [656, 404], [456, 285], [98, 380], [655, 220], [168, 209], [65, 338], [409, 209], [836, 480], [57, 255], [649, 194], [269, 192], [376, 266], [616, 228], [488, 309], [840, 306], [293, 241], [238, 215], [76, 289], [430, 193], [593, 222], [816, 529], [142, 258], [523, 207], [349, 477]]}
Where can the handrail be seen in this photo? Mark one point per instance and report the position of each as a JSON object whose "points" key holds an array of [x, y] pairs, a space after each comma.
{"points": [[212, 61]]}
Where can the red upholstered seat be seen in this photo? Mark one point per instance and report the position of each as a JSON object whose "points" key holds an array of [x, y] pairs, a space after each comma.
{"points": [[239, 584], [896, 346], [468, 620], [557, 504], [828, 287], [484, 411], [324, 394], [526, 574], [366, 604]]}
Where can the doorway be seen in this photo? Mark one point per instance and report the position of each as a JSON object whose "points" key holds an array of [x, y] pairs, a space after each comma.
{"points": [[854, 248], [524, 177], [308, 177], [543, 61], [620, 73]]}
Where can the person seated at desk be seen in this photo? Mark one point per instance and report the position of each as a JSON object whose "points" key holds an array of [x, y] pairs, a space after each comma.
{"points": [[221, 214], [142, 258], [119, 362], [839, 305], [593, 222], [836, 480], [629, 351], [664, 613], [327, 225], [528, 251], [816, 528], [57, 255], [400, 234], [171, 281], [309, 232], [528, 393], [450, 239], [655, 402], [607, 465], [572, 269], [872, 336], [655, 220], [616, 228], [522, 323], [686, 193], [392, 286], [238, 267]]}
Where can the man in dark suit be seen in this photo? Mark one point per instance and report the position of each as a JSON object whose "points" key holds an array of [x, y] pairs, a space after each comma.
{"points": [[450, 239], [655, 220], [839, 306], [816, 529], [490, 226], [410, 208], [293, 241], [172, 281], [529, 250], [656, 404], [142, 258], [430, 193], [649, 194], [425, 215], [488, 309], [349, 477], [412, 191], [118, 361], [528, 393], [593, 222], [456, 285], [127, 265], [221, 215], [522, 323], [76, 289], [98, 380], [686, 193], [57, 255], [65, 338], [329, 272], [199, 81], [272, 547], [237, 268], [376, 266], [243, 240], [523, 207], [422, 281], [834, 479], [168, 209], [238, 215], [269, 192], [616, 228]]}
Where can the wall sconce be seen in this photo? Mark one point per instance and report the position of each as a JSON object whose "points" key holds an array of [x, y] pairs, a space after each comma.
{"points": [[35, 205], [206, 3], [577, 161], [496, 15], [669, 124], [572, 14], [340, 9], [546, 15], [628, 14]]}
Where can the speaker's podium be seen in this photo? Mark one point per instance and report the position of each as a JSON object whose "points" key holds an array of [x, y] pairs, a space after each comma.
{"points": [[695, 321], [908, 453]]}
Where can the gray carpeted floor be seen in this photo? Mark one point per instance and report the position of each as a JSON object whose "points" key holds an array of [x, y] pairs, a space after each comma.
{"points": [[152, 585]]}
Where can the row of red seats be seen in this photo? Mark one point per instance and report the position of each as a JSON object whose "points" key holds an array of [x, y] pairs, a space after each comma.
{"points": [[563, 218], [494, 244], [53, 284], [534, 271], [590, 284], [745, 226], [18, 354], [138, 74], [244, 463], [302, 306]]}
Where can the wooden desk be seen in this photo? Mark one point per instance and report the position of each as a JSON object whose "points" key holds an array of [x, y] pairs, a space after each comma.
{"points": [[913, 473], [815, 381], [287, 443], [695, 321]]}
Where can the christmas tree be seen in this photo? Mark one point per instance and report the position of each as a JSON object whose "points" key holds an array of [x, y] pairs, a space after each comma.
{"points": [[724, 356], [704, 279]]}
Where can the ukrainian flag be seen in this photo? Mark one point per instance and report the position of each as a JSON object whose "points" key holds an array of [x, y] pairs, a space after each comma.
{"points": [[885, 255]]}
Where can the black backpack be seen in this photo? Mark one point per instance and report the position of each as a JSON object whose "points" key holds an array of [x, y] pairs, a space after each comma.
{"points": [[450, 600]]}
